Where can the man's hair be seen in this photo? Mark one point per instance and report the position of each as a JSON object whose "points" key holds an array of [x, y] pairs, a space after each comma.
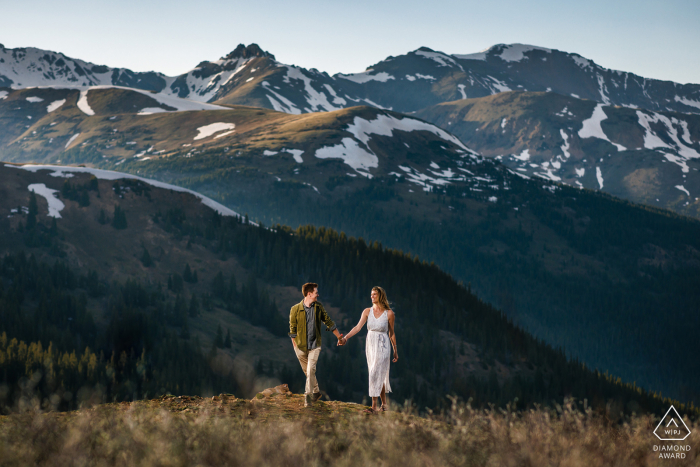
{"points": [[308, 287]]}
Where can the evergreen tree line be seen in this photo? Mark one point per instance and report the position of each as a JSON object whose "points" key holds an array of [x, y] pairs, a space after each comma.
{"points": [[51, 346]]}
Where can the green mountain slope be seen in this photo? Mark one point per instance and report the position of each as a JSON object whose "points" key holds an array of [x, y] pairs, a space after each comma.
{"points": [[99, 281]]}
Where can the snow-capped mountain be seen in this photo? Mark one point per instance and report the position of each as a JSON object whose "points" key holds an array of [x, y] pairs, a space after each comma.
{"points": [[407, 83], [638, 154], [31, 67], [571, 129]]}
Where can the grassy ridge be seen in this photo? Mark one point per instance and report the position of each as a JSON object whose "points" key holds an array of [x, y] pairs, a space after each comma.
{"points": [[224, 430]]}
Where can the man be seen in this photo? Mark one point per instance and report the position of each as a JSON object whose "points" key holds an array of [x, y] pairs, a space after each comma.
{"points": [[305, 330]]}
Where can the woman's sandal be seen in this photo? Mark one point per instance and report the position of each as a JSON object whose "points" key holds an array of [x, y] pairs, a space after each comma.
{"points": [[372, 411], [384, 408]]}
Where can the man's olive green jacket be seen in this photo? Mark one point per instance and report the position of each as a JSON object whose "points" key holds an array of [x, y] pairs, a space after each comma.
{"points": [[297, 324]]}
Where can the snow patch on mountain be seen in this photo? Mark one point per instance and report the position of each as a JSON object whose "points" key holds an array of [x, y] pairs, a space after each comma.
{"points": [[683, 189], [687, 102], [516, 52], [55, 105], [55, 205], [366, 77], [352, 154], [652, 140], [565, 146], [296, 153], [151, 110], [110, 175], [3, 95], [524, 156], [592, 129], [385, 125], [599, 176], [440, 58], [581, 62], [279, 102], [497, 86], [199, 85], [72, 138], [336, 98], [461, 90], [34, 99], [362, 158], [208, 130], [83, 104], [317, 101], [679, 161]]}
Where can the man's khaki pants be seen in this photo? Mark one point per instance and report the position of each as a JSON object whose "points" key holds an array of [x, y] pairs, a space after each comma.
{"points": [[308, 362]]}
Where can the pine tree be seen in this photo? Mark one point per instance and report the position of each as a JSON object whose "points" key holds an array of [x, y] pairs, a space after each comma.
{"points": [[33, 211], [194, 306], [146, 258], [177, 285], [84, 199], [187, 275], [103, 217], [218, 286], [227, 341], [219, 340], [119, 220]]}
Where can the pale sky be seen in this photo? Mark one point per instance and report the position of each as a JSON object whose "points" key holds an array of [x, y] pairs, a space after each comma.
{"points": [[653, 39]]}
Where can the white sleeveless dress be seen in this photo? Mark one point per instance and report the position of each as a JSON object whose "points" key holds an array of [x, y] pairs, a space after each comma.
{"points": [[378, 351]]}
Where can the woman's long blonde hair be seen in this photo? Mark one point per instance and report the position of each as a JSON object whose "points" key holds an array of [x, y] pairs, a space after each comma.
{"points": [[383, 301]]}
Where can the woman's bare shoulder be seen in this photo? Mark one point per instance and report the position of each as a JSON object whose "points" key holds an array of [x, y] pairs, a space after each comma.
{"points": [[390, 313]]}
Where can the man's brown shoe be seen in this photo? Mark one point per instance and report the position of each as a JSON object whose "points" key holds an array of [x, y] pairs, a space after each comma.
{"points": [[315, 396]]}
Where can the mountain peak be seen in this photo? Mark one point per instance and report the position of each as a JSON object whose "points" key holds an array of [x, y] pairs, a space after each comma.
{"points": [[253, 50]]}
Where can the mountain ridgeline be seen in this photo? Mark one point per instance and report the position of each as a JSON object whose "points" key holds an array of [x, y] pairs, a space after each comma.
{"points": [[102, 333]]}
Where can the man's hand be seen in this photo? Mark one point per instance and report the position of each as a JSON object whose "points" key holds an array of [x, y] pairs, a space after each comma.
{"points": [[342, 341], [294, 343]]}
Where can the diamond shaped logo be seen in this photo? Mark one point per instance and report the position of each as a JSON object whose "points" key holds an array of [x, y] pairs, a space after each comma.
{"points": [[672, 427]]}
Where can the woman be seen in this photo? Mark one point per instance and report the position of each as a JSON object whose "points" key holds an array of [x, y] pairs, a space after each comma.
{"points": [[380, 327]]}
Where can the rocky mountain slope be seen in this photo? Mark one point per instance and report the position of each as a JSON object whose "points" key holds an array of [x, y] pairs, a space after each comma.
{"points": [[636, 154]]}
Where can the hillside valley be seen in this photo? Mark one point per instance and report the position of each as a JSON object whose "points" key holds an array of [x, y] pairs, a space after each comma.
{"points": [[74, 279]]}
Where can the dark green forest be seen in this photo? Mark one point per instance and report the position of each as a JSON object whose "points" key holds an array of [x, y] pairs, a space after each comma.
{"points": [[600, 277], [52, 346]]}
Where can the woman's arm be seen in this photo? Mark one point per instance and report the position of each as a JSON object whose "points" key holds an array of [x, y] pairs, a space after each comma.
{"points": [[356, 329], [392, 334]]}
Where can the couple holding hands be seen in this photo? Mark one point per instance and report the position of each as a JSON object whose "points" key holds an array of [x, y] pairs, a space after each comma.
{"points": [[305, 330]]}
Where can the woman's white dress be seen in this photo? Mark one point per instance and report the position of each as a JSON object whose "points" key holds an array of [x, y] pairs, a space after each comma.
{"points": [[378, 351]]}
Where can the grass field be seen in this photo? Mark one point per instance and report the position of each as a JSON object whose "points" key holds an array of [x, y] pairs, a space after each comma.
{"points": [[277, 430]]}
